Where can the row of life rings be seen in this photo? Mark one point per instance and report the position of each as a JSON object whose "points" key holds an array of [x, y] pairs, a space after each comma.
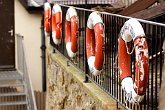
{"points": [[54, 16], [94, 34], [95, 41]]}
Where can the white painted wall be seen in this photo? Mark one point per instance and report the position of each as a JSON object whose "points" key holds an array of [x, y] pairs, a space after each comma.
{"points": [[28, 25]]}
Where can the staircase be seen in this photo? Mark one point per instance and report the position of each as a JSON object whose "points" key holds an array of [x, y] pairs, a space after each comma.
{"points": [[16, 92], [13, 93]]}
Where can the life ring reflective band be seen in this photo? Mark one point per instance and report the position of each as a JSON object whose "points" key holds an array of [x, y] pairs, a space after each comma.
{"points": [[71, 32], [95, 43], [133, 90], [56, 24]]}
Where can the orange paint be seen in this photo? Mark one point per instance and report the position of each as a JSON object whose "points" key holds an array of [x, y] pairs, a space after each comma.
{"points": [[95, 44], [47, 16], [57, 24], [71, 33], [124, 60], [142, 63]]}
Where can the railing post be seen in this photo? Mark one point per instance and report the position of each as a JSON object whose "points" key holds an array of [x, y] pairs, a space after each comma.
{"points": [[86, 64], [85, 3], [86, 68], [51, 38]]}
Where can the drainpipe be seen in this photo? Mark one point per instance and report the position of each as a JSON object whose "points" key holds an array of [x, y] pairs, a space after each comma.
{"points": [[43, 56]]}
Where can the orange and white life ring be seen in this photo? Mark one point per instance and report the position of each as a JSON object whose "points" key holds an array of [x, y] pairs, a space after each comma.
{"points": [[95, 43], [134, 90], [56, 24], [47, 17], [71, 32]]}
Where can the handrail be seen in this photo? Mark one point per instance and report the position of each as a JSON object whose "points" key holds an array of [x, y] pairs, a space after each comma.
{"points": [[22, 68], [117, 15]]}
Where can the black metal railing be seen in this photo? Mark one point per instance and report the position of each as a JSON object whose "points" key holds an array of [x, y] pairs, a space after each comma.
{"points": [[79, 2], [109, 80]]}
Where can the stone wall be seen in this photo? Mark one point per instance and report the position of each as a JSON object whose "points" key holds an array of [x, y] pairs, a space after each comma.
{"points": [[67, 91]]}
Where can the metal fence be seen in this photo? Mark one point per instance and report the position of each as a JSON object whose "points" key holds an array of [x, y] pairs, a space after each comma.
{"points": [[109, 80], [38, 3], [85, 2], [67, 2], [22, 68], [78, 2]]}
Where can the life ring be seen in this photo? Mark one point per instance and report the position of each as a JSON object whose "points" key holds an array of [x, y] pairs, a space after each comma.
{"points": [[56, 24], [95, 43], [71, 32], [47, 17], [134, 90]]}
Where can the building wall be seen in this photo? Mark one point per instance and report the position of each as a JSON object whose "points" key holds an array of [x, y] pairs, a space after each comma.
{"points": [[28, 25]]}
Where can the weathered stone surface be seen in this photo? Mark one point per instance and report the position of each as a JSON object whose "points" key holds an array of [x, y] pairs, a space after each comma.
{"points": [[64, 93]]}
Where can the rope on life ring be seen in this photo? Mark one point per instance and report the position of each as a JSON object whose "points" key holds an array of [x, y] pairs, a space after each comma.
{"points": [[56, 24], [134, 91], [95, 43], [47, 17], [71, 32]]}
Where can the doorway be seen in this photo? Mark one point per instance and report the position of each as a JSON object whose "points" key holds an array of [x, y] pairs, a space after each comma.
{"points": [[7, 36]]}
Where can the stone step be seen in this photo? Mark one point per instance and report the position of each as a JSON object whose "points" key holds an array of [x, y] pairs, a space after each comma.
{"points": [[10, 75]]}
